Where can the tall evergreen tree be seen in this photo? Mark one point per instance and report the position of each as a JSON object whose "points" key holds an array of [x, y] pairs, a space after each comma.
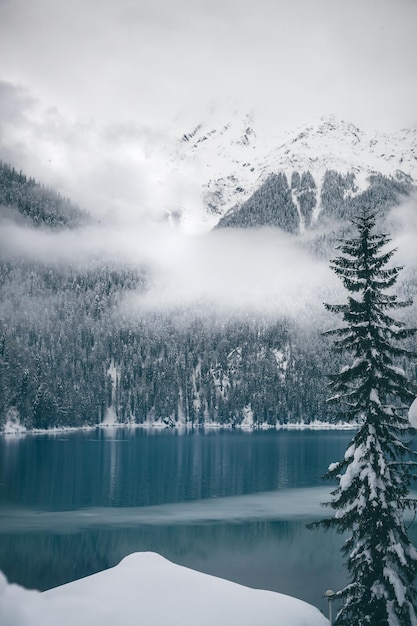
{"points": [[375, 475]]}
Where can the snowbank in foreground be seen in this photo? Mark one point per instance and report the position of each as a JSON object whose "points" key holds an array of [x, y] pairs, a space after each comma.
{"points": [[147, 589]]}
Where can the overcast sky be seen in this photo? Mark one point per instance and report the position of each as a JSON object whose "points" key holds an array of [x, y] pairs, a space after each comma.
{"points": [[89, 88], [143, 61]]}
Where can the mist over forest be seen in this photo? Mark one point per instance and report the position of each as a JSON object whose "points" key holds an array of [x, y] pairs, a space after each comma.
{"points": [[131, 319]]}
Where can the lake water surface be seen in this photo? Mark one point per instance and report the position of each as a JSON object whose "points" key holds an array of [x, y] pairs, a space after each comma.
{"points": [[232, 504]]}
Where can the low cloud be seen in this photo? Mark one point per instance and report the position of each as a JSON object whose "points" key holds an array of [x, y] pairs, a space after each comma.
{"points": [[146, 61], [402, 224], [120, 169], [226, 271], [256, 272], [120, 174]]}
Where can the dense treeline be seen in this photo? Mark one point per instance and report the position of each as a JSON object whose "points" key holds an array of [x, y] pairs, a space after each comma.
{"points": [[213, 370], [67, 355], [340, 198], [72, 353], [54, 327], [40, 205], [291, 206], [270, 205]]}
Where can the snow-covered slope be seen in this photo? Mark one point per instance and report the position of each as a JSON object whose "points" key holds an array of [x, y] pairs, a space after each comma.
{"points": [[330, 143], [225, 160], [231, 160], [147, 589]]}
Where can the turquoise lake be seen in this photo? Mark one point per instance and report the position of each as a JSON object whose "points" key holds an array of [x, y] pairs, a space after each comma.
{"points": [[232, 504]]}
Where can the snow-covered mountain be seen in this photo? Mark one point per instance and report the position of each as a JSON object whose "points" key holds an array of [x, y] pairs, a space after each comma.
{"points": [[330, 143], [231, 160]]}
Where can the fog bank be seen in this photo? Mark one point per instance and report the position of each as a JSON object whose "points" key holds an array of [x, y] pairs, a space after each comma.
{"points": [[261, 271]]}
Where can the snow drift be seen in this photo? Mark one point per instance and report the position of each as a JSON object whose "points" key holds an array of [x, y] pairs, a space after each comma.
{"points": [[147, 589]]}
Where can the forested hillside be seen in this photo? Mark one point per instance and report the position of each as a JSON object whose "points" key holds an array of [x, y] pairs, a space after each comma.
{"points": [[292, 204], [66, 357], [70, 354], [39, 205]]}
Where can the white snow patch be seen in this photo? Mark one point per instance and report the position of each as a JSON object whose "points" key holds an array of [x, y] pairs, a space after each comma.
{"points": [[349, 452], [412, 414], [333, 466], [13, 425], [374, 397], [317, 425], [398, 586], [355, 468], [110, 417], [281, 358], [247, 422], [147, 589], [398, 549], [397, 370]]}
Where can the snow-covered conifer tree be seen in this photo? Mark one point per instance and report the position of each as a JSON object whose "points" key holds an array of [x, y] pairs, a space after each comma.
{"points": [[375, 475]]}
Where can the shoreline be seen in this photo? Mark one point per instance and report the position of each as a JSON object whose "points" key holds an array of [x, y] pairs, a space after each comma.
{"points": [[11, 430]]}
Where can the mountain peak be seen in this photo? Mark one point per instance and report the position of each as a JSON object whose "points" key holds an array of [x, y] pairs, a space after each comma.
{"points": [[230, 159]]}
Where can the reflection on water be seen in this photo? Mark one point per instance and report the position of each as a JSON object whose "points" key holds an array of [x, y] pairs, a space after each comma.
{"points": [[281, 556], [230, 504], [117, 467], [258, 540]]}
